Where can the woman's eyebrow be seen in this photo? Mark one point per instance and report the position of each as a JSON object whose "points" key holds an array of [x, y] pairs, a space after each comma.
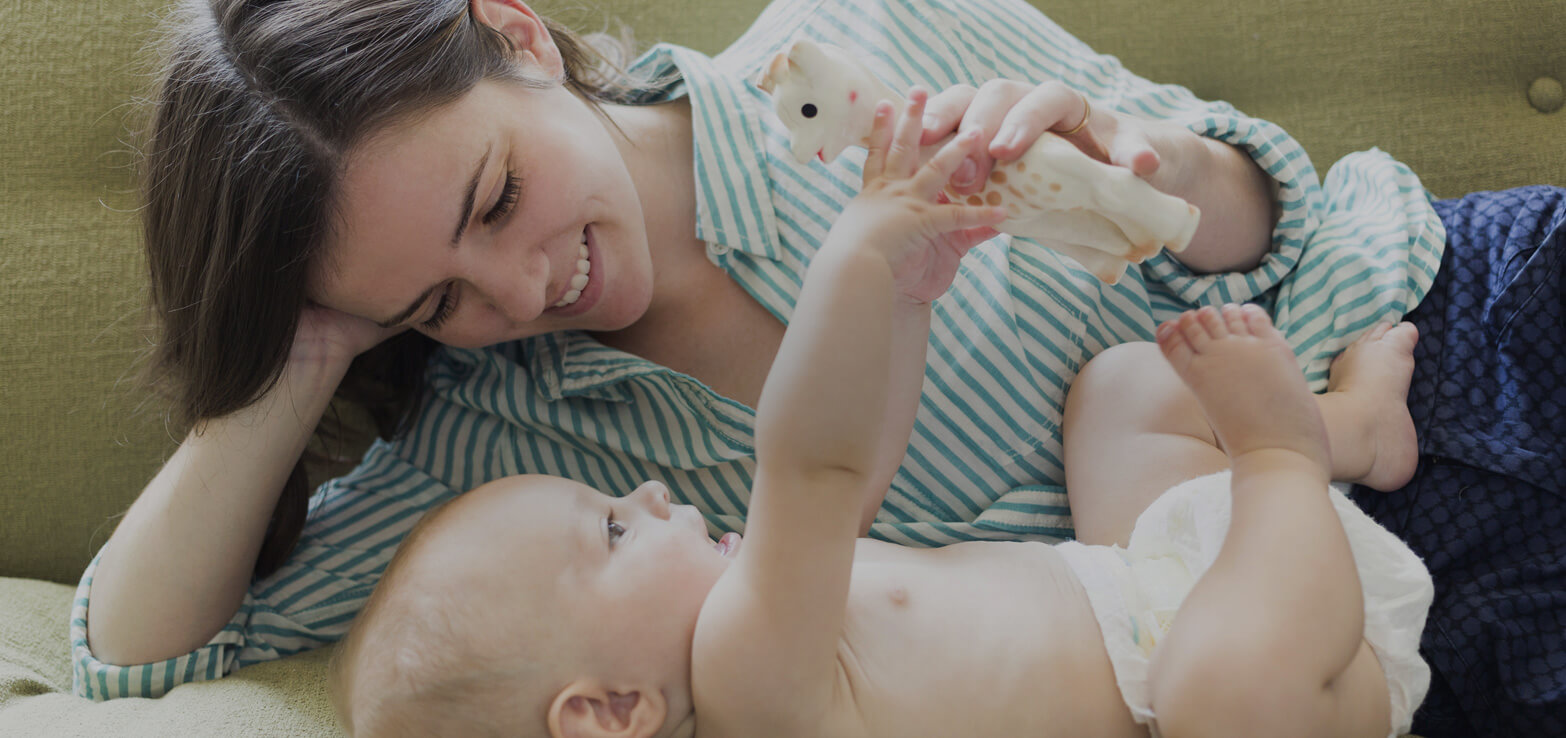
{"points": [[466, 214]]}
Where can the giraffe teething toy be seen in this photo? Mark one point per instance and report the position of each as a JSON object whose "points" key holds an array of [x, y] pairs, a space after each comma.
{"points": [[1102, 216]]}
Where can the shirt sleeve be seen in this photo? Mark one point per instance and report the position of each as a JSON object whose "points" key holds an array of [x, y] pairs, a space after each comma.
{"points": [[1011, 39], [1361, 248], [354, 526]]}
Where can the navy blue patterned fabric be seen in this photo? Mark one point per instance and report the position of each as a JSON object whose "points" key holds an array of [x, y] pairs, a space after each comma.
{"points": [[1487, 509]]}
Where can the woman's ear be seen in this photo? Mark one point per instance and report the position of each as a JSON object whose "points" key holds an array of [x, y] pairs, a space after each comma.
{"points": [[529, 36], [586, 709]]}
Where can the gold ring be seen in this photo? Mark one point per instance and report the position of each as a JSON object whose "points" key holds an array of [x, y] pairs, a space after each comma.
{"points": [[1087, 112]]}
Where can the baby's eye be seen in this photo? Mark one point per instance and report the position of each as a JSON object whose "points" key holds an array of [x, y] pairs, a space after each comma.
{"points": [[809, 111], [615, 531]]}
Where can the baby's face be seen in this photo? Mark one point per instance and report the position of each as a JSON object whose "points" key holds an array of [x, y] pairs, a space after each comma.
{"points": [[627, 575]]}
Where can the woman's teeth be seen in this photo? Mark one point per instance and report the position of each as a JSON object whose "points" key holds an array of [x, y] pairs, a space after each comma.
{"points": [[579, 281]]}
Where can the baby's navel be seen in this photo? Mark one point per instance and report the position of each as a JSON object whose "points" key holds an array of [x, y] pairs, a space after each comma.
{"points": [[898, 596]]}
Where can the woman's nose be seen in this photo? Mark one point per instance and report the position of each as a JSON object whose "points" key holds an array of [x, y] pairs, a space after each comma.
{"points": [[655, 497], [516, 291]]}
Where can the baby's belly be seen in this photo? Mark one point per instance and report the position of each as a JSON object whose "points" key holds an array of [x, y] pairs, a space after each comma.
{"points": [[975, 639]]}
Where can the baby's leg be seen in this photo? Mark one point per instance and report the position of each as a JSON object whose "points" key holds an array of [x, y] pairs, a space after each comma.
{"points": [[1133, 429], [1270, 640]]}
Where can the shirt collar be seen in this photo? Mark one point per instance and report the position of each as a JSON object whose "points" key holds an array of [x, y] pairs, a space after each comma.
{"points": [[733, 195]]}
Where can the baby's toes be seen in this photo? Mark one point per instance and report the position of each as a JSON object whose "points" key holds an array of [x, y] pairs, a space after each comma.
{"points": [[1171, 340], [1234, 320], [1212, 320], [1257, 320], [1403, 335]]}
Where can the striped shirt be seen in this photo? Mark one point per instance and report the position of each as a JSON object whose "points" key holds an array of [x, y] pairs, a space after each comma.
{"points": [[984, 461]]}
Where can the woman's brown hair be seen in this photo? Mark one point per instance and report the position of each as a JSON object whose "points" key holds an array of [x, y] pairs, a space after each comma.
{"points": [[257, 104]]}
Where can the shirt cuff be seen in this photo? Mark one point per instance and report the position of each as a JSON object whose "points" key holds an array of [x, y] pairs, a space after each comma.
{"points": [[1299, 212], [100, 681]]}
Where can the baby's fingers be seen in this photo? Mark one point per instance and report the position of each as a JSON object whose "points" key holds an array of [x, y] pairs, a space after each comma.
{"points": [[938, 171], [903, 157], [880, 139], [972, 220]]}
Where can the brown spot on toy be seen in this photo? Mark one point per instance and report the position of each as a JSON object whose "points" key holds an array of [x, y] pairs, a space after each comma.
{"points": [[975, 200], [1030, 189], [993, 198], [998, 177], [1021, 167], [1054, 186]]}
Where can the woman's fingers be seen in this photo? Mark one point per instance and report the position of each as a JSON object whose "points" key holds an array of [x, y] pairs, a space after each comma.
{"points": [[1132, 149], [985, 114], [1050, 106], [945, 111]]}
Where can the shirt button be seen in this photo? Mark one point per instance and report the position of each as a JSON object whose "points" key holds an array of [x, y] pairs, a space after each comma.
{"points": [[717, 249], [1545, 95]]}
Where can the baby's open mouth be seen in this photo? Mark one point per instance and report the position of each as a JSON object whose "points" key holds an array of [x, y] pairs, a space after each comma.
{"points": [[727, 545]]}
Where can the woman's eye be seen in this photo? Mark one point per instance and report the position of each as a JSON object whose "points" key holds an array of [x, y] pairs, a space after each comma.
{"points": [[510, 192], [615, 531]]}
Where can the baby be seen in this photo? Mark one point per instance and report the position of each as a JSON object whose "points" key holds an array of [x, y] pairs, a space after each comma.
{"points": [[538, 606]]}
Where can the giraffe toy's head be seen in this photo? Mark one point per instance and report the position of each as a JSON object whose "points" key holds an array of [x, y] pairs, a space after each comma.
{"points": [[825, 97]]}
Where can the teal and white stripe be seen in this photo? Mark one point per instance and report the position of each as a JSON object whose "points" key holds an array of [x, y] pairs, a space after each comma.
{"points": [[984, 461]]}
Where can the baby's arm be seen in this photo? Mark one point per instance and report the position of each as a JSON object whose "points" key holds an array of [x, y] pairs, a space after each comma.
{"points": [[766, 640]]}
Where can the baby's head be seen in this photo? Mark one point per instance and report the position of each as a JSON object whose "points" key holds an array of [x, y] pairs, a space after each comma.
{"points": [[533, 605]]}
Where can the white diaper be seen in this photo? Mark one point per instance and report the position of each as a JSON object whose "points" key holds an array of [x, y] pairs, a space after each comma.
{"points": [[1136, 590]]}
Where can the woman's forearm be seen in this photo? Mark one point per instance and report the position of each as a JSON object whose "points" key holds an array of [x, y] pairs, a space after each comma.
{"points": [[1237, 199], [179, 564]]}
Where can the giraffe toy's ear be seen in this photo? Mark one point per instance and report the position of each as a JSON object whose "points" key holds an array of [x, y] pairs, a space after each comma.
{"points": [[775, 72]]}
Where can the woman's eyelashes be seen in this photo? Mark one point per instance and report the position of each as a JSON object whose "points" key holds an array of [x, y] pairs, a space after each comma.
{"points": [[443, 309], [509, 194]]}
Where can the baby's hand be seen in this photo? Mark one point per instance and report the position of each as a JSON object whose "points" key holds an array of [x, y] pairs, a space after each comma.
{"points": [[900, 213]]}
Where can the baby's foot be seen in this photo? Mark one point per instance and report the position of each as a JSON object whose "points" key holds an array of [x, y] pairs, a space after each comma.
{"points": [[1247, 381], [1375, 370]]}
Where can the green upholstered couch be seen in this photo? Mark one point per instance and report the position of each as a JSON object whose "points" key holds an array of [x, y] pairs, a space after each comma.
{"points": [[1466, 92]]}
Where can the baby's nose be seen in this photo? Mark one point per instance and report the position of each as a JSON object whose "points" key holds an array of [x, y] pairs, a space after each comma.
{"points": [[655, 496]]}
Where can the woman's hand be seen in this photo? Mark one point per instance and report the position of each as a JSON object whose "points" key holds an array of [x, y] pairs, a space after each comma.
{"points": [[1236, 197], [332, 338], [1010, 116], [899, 212]]}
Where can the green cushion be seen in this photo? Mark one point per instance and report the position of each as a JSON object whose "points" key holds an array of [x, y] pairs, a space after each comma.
{"points": [[286, 697]]}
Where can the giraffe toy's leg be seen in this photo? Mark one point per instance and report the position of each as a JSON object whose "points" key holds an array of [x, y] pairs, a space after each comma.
{"points": [[1080, 227], [1064, 178], [1107, 267]]}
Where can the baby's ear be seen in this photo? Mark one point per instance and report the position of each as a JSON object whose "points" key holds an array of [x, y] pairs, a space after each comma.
{"points": [[586, 709]]}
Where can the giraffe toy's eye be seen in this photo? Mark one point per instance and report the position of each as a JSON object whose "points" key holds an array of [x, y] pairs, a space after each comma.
{"points": [[809, 111]]}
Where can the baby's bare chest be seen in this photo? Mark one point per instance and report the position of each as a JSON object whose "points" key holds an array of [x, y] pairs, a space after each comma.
{"points": [[974, 639]]}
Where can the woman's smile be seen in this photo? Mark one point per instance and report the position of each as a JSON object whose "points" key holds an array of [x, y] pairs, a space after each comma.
{"points": [[585, 286]]}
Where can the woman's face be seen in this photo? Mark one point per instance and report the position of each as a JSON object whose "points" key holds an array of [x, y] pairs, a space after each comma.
{"points": [[470, 224]]}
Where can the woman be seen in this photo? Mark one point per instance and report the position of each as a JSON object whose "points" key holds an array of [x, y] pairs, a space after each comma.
{"points": [[323, 176]]}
